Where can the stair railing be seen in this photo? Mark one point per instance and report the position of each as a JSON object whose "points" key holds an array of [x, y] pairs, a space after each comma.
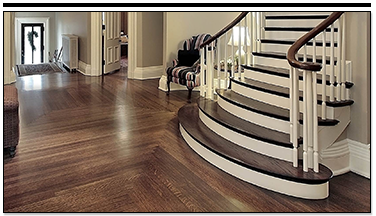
{"points": [[310, 70], [219, 59]]}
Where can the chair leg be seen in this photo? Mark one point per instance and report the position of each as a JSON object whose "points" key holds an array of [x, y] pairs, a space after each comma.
{"points": [[168, 87], [189, 95], [12, 151]]}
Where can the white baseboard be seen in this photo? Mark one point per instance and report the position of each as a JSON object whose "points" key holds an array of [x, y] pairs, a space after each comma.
{"points": [[360, 162], [347, 155], [152, 72], [337, 157], [84, 68]]}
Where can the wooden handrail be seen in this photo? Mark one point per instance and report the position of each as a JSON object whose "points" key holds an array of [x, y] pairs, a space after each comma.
{"points": [[311, 66], [225, 29]]}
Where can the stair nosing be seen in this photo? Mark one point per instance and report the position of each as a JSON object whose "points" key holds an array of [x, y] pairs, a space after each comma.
{"points": [[319, 101], [327, 122], [284, 17], [291, 42], [252, 166], [281, 55], [294, 29]]}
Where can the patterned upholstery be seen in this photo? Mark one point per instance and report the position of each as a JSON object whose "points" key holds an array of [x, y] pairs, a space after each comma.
{"points": [[184, 75], [11, 119]]}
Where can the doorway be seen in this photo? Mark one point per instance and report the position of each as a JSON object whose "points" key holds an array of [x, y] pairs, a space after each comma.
{"points": [[32, 47]]}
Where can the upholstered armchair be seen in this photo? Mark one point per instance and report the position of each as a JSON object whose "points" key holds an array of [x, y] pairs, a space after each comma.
{"points": [[185, 69]]}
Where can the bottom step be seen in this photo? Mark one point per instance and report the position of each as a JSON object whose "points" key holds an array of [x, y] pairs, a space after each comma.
{"points": [[252, 167]]}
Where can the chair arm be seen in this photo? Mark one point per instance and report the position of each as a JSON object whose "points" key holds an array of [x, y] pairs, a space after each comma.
{"points": [[175, 62], [10, 104]]}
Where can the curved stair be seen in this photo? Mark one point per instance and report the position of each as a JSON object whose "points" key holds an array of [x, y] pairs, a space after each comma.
{"points": [[245, 129], [264, 171]]}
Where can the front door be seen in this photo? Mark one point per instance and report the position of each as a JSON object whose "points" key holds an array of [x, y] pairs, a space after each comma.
{"points": [[111, 41], [32, 46]]}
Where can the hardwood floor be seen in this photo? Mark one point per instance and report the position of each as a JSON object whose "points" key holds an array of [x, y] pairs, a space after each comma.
{"points": [[93, 144]]}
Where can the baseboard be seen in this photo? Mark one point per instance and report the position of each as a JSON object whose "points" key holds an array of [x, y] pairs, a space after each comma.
{"points": [[347, 155], [84, 68], [152, 72], [337, 157], [360, 162]]}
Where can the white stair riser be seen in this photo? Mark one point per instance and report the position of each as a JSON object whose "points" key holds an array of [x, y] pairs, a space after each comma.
{"points": [[265, 97], [278, 80], [278, 35], [307, 191], [262, 120], [258, 146], [284, 48], [294, 22]]}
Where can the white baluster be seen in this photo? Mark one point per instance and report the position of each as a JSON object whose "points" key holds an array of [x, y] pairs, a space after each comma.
{"points": [[339, 62], [314, 49], [295, 115], [343, 81], [226, 57], [291, 95], [239, 50], [331, 92], [209, 73], [202, 73], [315, 125], [245, 42], [309, 109], [212, 70], [233, 54], [323, 104], [349, 75], [305, 125], [218, 64], [254, 33]]}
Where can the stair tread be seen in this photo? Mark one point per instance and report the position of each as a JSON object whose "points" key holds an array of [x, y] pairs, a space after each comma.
{"points": [[296, 17], [282, 55], [189, 119], [284, 92], [283, 72], [292, 41], [297, 29], [265, 108], [221, 116]]}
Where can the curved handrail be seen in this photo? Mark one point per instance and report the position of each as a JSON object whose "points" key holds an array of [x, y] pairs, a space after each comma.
{"points": [[225, 29], [311, 66]]}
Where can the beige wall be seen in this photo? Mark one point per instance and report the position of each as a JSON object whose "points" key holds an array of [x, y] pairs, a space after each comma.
{"points": [[9, 54], [358, 51], [150, 39], [183, 25], [78, 23]]}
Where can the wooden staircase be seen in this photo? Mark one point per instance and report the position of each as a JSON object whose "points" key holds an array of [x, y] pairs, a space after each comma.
{"points": [[244, 125]]}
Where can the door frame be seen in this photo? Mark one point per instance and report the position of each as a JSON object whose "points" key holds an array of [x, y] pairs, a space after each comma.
{"points": [[46, 36], [96, 43], [41, 25]]}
